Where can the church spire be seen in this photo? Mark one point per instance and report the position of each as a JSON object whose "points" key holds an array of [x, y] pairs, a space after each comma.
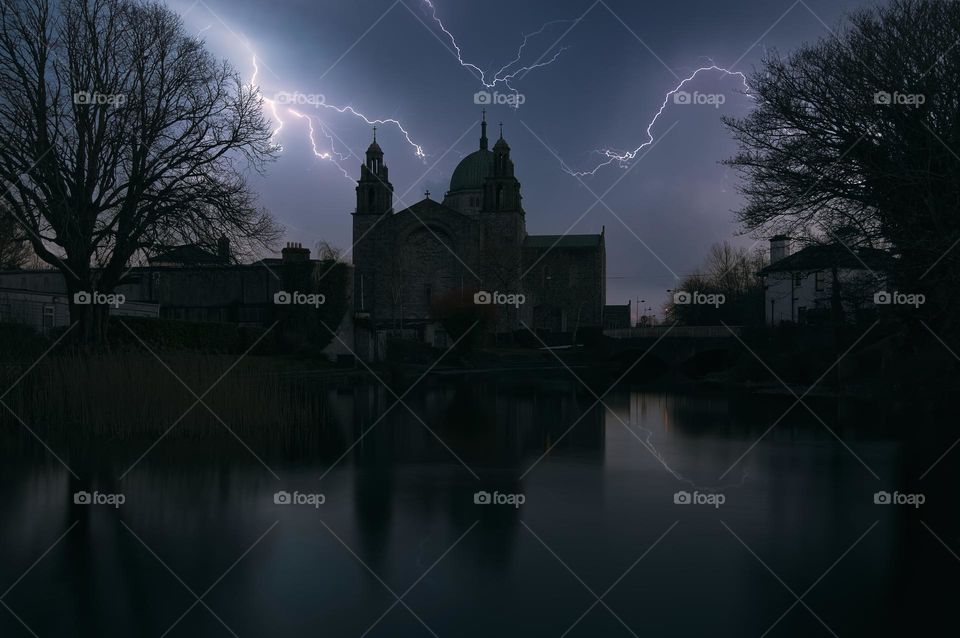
{"points": [[483, 130], [374, 191]]}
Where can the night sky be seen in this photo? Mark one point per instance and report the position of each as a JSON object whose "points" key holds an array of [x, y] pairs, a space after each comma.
{"points": [[601, 92]]}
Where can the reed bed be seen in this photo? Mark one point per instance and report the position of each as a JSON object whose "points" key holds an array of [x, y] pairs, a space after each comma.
{"points": [[133, 395]]}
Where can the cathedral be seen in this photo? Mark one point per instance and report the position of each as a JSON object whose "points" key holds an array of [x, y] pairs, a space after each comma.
{"points": [[471, 248]]}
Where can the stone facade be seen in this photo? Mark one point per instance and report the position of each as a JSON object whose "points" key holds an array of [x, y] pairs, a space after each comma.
{"points": [[474, 240]]}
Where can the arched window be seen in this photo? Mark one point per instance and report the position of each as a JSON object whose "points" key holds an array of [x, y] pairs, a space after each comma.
{"points": [[499, 195]]}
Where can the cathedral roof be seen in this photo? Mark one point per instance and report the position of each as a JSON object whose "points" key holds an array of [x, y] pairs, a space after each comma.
{"points": [[472, 171], [426, 206], [562, 241]]}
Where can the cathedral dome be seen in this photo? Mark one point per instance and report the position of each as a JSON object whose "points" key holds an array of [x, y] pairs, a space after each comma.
{"points": [[472, 171]]}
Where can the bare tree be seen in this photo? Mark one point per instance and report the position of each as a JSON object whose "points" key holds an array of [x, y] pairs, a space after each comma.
{"points": [[860, 132], [732, 273], [120, 132], [14, 250], [328, 252]]}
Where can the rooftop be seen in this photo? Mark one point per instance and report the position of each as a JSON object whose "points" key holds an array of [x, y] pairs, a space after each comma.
{"points": [[821, 257], [562, 241], [190, 254]]}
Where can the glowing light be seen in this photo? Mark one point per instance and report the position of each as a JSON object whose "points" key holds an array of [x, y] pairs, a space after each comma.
{"points": [[623, 157], [317, 101], [324, 155], [498, 77]]}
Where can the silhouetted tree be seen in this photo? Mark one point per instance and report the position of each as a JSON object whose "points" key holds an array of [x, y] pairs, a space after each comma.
{"points": [[729, 271], [861, 131], [328, 252], [120, 131], [14, 250]]}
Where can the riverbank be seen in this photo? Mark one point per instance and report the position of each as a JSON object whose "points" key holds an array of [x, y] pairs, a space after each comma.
{"points": [[133, 392]]}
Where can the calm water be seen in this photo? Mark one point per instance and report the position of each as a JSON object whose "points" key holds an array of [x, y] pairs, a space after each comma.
{"points": [[794, 517]]}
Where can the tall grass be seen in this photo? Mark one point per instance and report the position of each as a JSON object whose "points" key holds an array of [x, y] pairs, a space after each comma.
{"points": [[132, 395]]}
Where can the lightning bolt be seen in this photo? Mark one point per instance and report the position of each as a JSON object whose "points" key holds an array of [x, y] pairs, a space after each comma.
{"points": [[498, 77], [623, 157], [324, 155], [271, 103], [276, 106]]}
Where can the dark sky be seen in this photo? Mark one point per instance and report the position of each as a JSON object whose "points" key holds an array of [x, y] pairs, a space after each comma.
{"points": [[601, 92]]}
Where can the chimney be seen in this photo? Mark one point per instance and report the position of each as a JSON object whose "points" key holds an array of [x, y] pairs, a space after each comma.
{"points": [[223, 248], [779, 248], [294, 252]]}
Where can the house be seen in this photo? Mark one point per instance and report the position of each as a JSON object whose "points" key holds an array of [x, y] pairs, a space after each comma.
{"points": [[188, 283], [799, 287], [44, 311]]}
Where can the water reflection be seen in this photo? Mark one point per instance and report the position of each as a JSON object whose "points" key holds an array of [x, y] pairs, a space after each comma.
{"points": [[200, 521]]}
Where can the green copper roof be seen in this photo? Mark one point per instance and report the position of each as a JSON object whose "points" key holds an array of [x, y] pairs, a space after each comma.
{"points": [[472, 170]]}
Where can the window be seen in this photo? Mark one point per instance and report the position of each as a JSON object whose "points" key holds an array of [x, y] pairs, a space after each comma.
{"points": [[546, 275], [819, 279], [428, 293], [797, 279], [48, 317]]}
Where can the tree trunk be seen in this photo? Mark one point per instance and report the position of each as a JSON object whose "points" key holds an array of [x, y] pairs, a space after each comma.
{"points": [[836, 300], [91, 319]]}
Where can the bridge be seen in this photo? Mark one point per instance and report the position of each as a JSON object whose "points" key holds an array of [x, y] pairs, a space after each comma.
{"points": [[690, 351]]}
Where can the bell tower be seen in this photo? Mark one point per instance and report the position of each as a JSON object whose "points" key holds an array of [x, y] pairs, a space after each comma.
{"points": [[501, 193], [374, 190], [374, 204]]}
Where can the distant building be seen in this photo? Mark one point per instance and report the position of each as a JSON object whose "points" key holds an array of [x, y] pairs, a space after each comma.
{"points": [[193, 255], [616, 317], [798, 287], [184, 283], [474, 240], [44, 311]]}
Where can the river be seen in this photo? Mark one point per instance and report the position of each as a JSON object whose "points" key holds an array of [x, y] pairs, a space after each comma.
{"points": [[493, 507]]}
